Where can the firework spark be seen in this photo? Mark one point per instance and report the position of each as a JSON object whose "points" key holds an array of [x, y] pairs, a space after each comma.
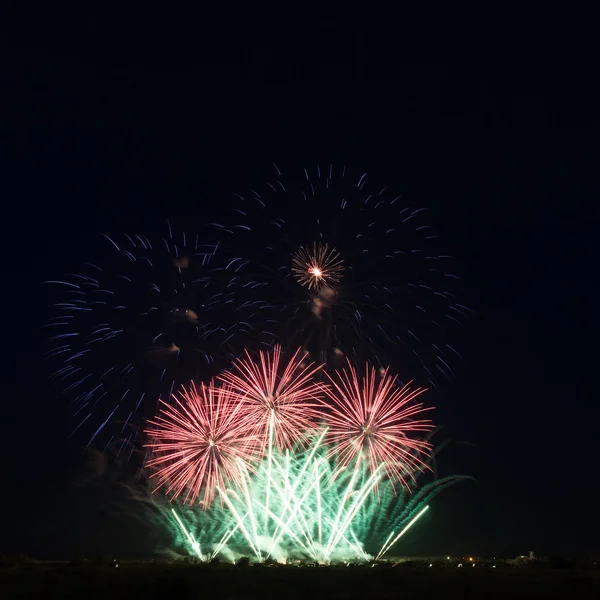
{"points": [[198, 443], [279, 398], [371, 419], [317, 266]]}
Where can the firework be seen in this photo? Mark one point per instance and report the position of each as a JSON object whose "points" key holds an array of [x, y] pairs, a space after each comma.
{"points": [[372, 419], [302, 516], [197, 443], [317, 267], [279, 395], [396, 303], [136, 323], [317, 512]]}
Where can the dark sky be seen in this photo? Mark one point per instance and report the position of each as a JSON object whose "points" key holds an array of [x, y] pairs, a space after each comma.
{"points": [[118, 121]]}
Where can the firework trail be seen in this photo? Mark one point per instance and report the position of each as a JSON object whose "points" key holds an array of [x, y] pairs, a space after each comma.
{"points": [[130, 327], [197, 443], [202, 533], [316, 512], [290, 243], [372, 419]]}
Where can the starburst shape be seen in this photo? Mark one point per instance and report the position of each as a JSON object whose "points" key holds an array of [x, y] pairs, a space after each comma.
{"points": [[317, 266], [280, 396], [372, 420], [197, 443]]}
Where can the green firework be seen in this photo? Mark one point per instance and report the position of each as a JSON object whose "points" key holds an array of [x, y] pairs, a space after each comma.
{"points": [[299, 505]]}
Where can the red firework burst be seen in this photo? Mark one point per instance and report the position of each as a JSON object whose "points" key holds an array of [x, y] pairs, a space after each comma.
{"points": [[371, 418], [277, 396], [197, 443], [317, 266]]}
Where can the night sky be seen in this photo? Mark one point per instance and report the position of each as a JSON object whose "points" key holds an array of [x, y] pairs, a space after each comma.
{"points": [[118, 122]]}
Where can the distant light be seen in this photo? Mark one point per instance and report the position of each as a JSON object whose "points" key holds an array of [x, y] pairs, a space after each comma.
{"points": [[431, 564], [493, 566], [471, 558], [447, 558]]}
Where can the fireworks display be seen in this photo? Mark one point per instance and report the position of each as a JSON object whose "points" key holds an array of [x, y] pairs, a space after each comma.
{"points": [[332, 459], [233, 359]]}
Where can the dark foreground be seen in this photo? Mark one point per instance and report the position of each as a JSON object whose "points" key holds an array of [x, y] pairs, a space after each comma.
{"points": [[180, 582]]}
